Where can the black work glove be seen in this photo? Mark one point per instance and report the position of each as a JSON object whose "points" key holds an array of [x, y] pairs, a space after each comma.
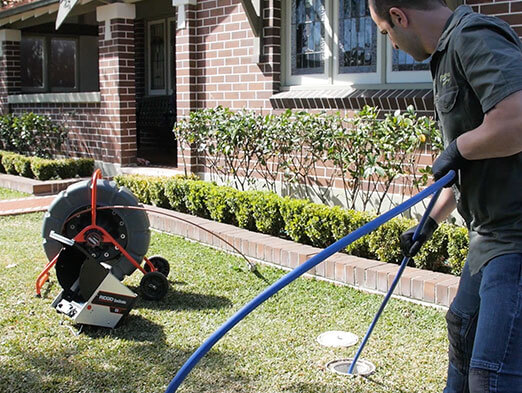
{"points": [[449, 159], [409, 247]]}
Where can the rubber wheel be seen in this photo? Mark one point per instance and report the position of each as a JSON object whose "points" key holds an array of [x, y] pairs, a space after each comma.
{"points": [[159, 263], [134, 223], [154, 286]]}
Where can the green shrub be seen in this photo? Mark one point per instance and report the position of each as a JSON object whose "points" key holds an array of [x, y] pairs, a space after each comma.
{"points": [[197, 192], [31, 134], [241, 205], [157, 192], [44, 169], [458, 243], [266, 211], [318, 228], [294, 219], [8, 162], [2, 169], [85, 167], [22, 166], [356, 219], [176, 191], [219, 203], [300, 220]]}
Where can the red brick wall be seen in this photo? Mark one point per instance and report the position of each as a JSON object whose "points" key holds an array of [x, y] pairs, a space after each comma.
{"points": [[9, 72], [117, 121], [510, 11]]}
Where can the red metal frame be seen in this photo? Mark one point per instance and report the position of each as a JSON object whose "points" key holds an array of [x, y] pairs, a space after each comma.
{"points": [[80, 238]]}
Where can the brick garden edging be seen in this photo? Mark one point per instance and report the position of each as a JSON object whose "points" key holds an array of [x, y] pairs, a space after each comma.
{"points": [[35, 187], [365, 274]]}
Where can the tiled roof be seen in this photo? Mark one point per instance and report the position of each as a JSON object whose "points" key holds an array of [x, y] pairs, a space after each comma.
{"points": [[13, 3]]}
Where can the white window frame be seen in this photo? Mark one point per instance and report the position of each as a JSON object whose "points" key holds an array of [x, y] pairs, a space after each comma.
{"points": [[151, 91], [403, 76], [331, 77]]}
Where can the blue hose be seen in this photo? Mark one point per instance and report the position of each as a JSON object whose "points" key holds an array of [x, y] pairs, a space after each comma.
{"points": [[297, 272], [403, 265]]}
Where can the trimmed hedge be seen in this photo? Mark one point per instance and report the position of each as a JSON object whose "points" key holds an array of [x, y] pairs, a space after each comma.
{"points": [[44, 169], [298, 220]]}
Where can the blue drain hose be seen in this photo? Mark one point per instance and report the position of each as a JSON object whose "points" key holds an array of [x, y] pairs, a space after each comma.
{"points": [[297, 272]]}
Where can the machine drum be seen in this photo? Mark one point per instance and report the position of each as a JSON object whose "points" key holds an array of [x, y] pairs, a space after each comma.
{"points": [[129, 227]]}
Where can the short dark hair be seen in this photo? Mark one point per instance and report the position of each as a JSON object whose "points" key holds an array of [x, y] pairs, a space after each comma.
{"points": [[382, 7]]}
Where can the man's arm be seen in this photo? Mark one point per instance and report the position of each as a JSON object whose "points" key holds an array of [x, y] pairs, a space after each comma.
{"points": [[444, 205], [499, 135]]}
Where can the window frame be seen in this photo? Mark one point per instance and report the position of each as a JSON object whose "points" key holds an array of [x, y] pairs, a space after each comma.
{"points": [[331, 77], [151, 91], [47, 39]]}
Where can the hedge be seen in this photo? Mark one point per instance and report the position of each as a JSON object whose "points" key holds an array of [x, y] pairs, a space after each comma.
{"points": [[299, 220], [44, 169]]}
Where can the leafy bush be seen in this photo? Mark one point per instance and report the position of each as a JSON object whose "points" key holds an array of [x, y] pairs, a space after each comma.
{"points": [[8, 162], [44, 169], [365, 152], [31, 135], [300, 220], [2, 169], [22, 166]]}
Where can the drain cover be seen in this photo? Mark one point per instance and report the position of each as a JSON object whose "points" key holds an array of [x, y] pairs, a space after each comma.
{"points": [[341, 366], [337, 338]]}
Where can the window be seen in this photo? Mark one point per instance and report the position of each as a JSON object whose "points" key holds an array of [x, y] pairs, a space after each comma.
{"points": [[335, 42], [161, 42], [49, 64]]}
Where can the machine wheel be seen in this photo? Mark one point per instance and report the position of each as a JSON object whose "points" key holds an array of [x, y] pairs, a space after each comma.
{"points": [[129, 227], [154, 286], [159, 263]]}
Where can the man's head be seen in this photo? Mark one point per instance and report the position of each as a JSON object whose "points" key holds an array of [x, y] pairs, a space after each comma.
{"points": [[382, 7], [407, 23]]}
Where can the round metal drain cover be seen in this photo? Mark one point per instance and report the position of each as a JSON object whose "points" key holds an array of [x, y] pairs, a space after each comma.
{"points": [[341, 366], [337, 338]]}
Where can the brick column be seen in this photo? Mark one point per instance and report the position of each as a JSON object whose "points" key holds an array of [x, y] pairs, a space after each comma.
{"points": [[186, 83], [9, 66], [117, 131]]}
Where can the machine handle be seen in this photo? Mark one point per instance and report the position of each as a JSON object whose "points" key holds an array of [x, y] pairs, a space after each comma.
{"points": [[61, 239]]}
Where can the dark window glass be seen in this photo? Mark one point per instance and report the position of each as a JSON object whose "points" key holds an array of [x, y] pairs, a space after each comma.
{"points": [[357, 37], [157, 57], [308, 17], [32, 62], [62, 64]]}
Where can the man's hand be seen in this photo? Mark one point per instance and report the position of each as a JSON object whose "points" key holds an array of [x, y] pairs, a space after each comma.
{"points": [[449, 159], [409, 247]]}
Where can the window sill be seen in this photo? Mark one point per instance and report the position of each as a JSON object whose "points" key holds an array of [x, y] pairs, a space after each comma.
{"points": [[354, 99], [38, 98]]}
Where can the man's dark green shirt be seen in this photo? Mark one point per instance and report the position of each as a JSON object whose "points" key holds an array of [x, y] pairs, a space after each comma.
{"points": [[478, 63]]}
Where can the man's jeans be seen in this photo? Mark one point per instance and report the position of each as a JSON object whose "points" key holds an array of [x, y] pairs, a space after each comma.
{"points": [[485, 329]]}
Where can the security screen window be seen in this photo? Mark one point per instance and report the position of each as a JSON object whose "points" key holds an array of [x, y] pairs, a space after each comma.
{"points": [[357, 38], [32, 58], [62, 66], [308, 17]]}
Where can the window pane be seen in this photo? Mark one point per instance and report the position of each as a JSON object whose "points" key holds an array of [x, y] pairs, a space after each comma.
{"points": [[157, 57], [357, 37], [404, 62], [62, 65], [32, 62], [307, 36]]}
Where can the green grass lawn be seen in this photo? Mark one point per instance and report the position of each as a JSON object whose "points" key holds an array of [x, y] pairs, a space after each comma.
{"points": [[6, 193], [273, 350]]}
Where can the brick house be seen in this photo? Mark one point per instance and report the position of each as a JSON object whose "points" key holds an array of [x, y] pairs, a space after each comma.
{"points": [[119, 73]]}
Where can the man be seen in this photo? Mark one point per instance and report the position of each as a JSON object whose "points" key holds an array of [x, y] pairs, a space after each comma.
{"points": [[476, 65]]}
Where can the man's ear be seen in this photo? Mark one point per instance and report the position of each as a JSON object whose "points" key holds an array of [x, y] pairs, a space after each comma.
{"points": [[398, 17]]}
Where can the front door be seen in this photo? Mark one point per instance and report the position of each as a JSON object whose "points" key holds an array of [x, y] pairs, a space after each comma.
{"points": [[156, 110]]}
